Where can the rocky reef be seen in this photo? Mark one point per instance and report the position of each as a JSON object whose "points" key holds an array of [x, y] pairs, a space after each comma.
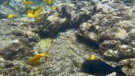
{"points": [[69, 34]]}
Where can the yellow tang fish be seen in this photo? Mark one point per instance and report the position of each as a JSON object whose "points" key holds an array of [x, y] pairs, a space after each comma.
{"points": [[45, 1], [92, 57], [30, 13], [37, 12], [27, 2], [34, 14], [54, 7], [11, 16], [36, 57], [48, 1]]}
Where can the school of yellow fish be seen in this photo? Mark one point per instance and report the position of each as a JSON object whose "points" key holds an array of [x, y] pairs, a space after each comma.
{"points": [[31, 12], [35, 14]]}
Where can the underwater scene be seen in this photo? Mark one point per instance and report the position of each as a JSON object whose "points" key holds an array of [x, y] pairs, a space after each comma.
{"points": [[67, 37]]}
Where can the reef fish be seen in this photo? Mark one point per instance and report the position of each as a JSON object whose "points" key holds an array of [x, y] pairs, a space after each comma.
{"points": [[98, 67], [36, 57], [11, 16], [54, 7], [34, 14], [49, 2], [27, 2]]}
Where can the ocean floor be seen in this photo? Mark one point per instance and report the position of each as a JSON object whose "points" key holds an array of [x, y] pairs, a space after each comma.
{"points": [[69, 33]]}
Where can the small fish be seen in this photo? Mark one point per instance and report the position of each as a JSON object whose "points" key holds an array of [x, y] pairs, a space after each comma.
{"points": [[37, 12], [54, 7], [11, 16], [45, 1], [49, 2], [27, 2], [36, 57], [34, 14], [30, 13], [92, 57], [98, 67]]}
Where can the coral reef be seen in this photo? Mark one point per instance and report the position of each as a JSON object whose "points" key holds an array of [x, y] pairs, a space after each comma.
{"points": [[69, 35]]}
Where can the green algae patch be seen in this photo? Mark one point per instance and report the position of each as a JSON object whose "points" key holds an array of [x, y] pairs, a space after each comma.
{"points": [[45, 43]]}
